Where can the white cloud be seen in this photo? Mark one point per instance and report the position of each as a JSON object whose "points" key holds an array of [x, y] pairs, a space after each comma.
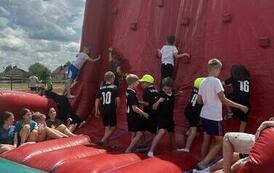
{"points": [[47, 31]]}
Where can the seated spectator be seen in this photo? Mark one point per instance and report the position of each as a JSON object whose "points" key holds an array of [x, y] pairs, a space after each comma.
{"points": [[236, 147], [66, 112], [25, 129], [7, 132], [44, 132], [57, 124]]}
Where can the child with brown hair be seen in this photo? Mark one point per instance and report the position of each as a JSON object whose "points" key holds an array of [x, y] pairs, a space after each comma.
{"points": [[135, 116]]}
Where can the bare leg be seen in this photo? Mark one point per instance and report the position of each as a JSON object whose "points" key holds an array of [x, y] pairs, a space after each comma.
{"points": [[33, 136], [42, 134], [24, 133], [62, 128], [227, 154], [67, 88], [134, 141], [238, 165], [6, 147], [213, 152], [53, 134], [205, 145], [59, 133], [108, 132], [219, 164], [157, 139], [243, 126]]}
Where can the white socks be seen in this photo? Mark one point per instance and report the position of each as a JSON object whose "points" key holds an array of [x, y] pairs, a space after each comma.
{"points": [[183, 150], [150, 154]]}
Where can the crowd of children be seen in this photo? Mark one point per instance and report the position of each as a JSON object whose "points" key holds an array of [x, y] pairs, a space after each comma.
{"points": [[32, 127], [153, 113]]}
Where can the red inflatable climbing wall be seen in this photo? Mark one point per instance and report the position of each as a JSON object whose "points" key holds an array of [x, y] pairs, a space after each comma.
{"points": [[239, 32]]}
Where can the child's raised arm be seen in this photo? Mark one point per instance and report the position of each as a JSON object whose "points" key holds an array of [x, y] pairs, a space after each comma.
{"points": [[159, 54], [94, 59], [187, 55], [110, 50]]}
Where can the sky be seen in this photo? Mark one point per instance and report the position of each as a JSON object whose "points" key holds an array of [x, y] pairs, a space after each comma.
{"points": [[44, 31]]}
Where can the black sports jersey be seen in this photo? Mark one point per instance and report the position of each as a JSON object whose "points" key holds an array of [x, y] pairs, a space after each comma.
{"points": [[131, 100], [150, 95], [193, 109], [241, 90], [166, 107], [193, 100], [108, 93]]}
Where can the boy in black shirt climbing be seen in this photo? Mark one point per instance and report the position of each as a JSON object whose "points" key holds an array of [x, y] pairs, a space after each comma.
{"points": [[135, 116], [240, 82], [107, 98], [192, 114], [150, 96], [165, 122]]}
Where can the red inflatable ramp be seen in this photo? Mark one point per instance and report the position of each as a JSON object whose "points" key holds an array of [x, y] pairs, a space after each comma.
{"points": [[166, 163], [48, 161], [14, 101], [100, 163], [261, 155], [26, 152]]}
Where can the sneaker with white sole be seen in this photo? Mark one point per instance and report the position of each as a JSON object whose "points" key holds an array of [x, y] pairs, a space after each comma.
{"points": [[150, 154], [183, 150]]}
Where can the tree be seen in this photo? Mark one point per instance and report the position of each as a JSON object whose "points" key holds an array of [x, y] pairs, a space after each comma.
{"points": [[40, 71]]}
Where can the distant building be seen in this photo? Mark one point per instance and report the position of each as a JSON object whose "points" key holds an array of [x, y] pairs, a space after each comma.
{"points": [[60, 73], [15, 73]]}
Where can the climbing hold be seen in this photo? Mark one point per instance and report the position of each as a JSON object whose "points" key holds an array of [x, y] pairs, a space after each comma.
{"points": [[133, 26], [227, 18], [115, 11], [185, 21], [161, 3], [264, 42]]}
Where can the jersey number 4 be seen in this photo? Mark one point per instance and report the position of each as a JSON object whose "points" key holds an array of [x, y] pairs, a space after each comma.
{"points": [[106, 97], [194, 99], [244, 86]]}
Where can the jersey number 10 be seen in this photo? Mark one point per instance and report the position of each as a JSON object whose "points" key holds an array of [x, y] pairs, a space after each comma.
{"points": [[244, 86], [106, 98]]}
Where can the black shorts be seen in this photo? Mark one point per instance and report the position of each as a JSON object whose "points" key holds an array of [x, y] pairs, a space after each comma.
{"points": [[151, 124], [166, 70], [33, 88], [135, 123], [240, 114], [167, 124], [213, 128], [109, 119], [192, 114], [237, 112]]}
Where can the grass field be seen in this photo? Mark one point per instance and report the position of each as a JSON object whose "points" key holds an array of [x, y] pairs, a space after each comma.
{"points": [[24, 86]]}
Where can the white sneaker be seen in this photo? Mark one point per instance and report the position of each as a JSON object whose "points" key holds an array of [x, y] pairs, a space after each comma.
{"points": [[201, 171], [183, 150], [150, 154]]}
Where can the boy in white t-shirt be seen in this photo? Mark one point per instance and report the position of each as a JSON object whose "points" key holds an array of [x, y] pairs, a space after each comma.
{"points": [[167, 55], [211, 95], [75, 67]]}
